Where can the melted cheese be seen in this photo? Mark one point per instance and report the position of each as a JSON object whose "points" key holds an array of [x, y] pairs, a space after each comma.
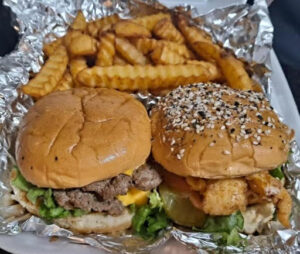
{"points": [[134, 196], [129, 172]]}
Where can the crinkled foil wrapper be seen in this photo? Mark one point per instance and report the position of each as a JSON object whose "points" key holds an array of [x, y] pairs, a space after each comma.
{"points": [[244, 29]]}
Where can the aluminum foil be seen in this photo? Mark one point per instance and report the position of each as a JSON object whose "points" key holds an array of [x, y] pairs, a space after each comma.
{"points": [[244, 29]]}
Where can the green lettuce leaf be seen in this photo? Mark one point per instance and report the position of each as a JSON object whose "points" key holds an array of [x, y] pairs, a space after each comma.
{"points": [[48, 199], [277, 173], [150, 219], [20, 181], [223, 223], [155, 200], [34, 193], [225, 229], [78, 212]]}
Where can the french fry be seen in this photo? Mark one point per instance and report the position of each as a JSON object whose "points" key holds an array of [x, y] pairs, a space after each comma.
{"points": [[180, 49], [106, 51], [235, 73], [50, 74], [76, 66], [79, 22], [192, 34], [199, 41], [119, 60], [65, 83], [50, 48], [163, 55], [130, 29], [70, 36], [145, 45], [165, 29], [94, 27], [132, 78], [83, 45], [150, 21], [129, 52], [105, 29], [232, 68]]}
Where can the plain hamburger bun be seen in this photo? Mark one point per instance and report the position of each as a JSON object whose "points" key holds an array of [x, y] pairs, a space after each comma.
{"points": [[85, 224], [73, 138], [213, 131]]}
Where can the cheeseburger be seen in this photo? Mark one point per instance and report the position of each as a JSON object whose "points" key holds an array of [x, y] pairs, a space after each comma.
{"points": [[81, 156], [221, 151]]}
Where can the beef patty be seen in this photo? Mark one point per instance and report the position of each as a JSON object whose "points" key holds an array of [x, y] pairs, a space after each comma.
{"points": [[101, 196]]}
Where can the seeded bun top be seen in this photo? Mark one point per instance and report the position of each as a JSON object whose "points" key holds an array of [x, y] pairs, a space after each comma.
{"points": [[73, 138], [213, 131]]}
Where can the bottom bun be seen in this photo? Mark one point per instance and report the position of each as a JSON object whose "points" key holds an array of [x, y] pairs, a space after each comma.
{"points": [[85, 224]]}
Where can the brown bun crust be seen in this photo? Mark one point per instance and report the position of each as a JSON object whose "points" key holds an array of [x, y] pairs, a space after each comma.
{"points": [[213, 149], [72, 138], [85, 224]]}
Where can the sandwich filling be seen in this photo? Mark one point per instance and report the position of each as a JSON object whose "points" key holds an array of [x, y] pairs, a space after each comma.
{"points": [[109, 196]]}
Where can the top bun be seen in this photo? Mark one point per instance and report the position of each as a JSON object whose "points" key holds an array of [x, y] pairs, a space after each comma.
{"points": [[73, 138], [212, 131]]}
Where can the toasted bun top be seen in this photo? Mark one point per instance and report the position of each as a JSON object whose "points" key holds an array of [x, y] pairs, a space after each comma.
{"points": [[72, 138], [213, 131]]}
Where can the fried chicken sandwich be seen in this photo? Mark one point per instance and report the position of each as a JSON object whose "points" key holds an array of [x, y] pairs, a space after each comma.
{"points": [[221, 151]]}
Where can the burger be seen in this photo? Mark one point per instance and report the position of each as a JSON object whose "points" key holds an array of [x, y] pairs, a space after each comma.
{"points": [[81, 157], [221, 153]]}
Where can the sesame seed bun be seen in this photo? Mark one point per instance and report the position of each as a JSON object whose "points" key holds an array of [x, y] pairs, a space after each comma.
{"points": [[212, 131], [73, 138]]}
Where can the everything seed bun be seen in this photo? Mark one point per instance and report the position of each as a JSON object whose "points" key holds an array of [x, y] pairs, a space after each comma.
{"points": [[85, 224], [213, 131], [72, 138]]}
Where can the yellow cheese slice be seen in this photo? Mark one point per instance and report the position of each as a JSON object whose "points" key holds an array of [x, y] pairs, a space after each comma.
{"points": [[134, 196]]}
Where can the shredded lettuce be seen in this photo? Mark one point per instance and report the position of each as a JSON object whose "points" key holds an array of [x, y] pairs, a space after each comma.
{"points": [[277, 173], [48, 209], [20, 181], [225, 229], [150, 219], [33, 194]]}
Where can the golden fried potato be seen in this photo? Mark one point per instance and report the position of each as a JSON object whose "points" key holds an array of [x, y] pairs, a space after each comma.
{"points": [[79, 23], [165, 30], [50, 48], [264, 184], [232, 68], [94, 27], [235, 73], [118, 60], [130, 29], [163, 55], [70, 36], [180, 49], [150, 21], [83, 45], [65, 83], [284, 208], [145, 45], [224, 197], [191, 34], [106, 51], [76, 66], [130, 52], [51, 73], [147, 77]]}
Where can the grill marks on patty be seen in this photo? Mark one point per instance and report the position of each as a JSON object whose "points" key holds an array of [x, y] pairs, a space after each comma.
{"points": [[100, 196]]}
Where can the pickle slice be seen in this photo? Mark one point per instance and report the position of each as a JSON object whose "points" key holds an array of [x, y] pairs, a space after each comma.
{"points": [[179, 208]]}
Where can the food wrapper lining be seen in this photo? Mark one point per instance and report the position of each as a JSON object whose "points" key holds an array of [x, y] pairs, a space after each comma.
{"points": [[244, 29]]}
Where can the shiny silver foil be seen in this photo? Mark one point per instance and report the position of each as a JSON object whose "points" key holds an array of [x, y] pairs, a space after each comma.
{"points": [[244, 29]]}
